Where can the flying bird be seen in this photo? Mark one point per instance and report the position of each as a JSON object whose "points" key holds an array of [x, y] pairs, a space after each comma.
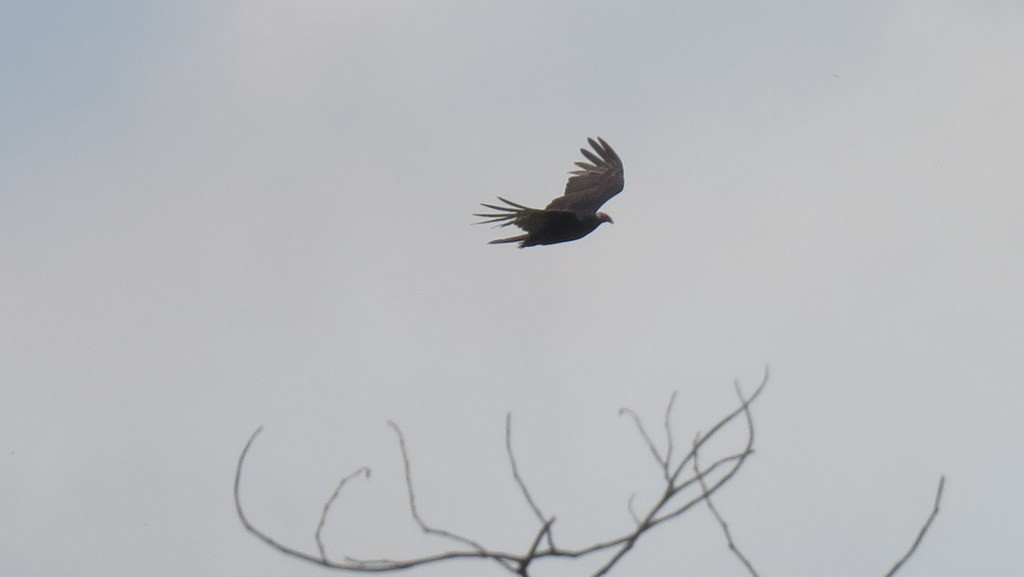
{"points": [[571, 216]]}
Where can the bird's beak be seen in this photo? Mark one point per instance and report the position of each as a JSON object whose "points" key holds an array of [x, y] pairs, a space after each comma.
{"points": [[610, 221]]}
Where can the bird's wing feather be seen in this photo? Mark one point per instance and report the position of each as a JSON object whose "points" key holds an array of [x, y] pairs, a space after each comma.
{"points": [[526, 218], [529, 219], [594, 183]]}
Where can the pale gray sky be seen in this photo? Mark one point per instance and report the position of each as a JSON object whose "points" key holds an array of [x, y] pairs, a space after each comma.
{"points": [[220, 215]]}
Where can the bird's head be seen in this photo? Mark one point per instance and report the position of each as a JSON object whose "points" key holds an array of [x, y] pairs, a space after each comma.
{"points": [[603, 217]]}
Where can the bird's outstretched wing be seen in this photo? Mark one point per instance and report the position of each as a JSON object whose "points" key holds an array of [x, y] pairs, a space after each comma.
{"points": [[594, 182]]}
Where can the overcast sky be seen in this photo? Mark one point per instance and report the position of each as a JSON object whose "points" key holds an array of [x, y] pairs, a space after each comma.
{"points": [[221, 215]]}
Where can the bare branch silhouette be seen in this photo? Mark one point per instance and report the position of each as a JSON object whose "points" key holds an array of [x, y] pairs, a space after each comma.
{"points": [[669, 439], [522, 485], [632, 512], [686, 484], [750, 567], [532, 553], [647, 438], [352, 564], [725, 526], [924, 529], [412, 502], [327, 508]]}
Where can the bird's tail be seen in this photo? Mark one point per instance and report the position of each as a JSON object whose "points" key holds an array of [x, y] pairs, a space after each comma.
{"points": [[519, 238]]}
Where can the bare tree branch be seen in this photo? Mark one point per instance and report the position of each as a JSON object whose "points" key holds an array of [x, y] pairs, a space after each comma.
{"points": [[924, 529], [680, 493], [656, 516], [415, 512], [744, 408], [532, 553], [629, 506], [721, 522], [327, 508], [749, 566], [241, 513], [366, 566], [522, 485], [669, 440], [647, 438]]}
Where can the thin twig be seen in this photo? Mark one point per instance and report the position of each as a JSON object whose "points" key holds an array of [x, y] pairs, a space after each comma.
{"points": [[668, 431], [241, 513], [646, 437], [721, 521], [519, 479], [415, 511], [352, 564], [924, 529], [740, 458], [743, 408], [736, 461], [653, 517], [531, 554], [632, 513], [327, 507]]}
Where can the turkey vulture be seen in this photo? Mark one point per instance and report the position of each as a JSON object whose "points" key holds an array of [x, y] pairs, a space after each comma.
{"points": [[573, 215]]}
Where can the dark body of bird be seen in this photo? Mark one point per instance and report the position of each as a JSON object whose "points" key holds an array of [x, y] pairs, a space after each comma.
{"points": [[573, 215]]}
